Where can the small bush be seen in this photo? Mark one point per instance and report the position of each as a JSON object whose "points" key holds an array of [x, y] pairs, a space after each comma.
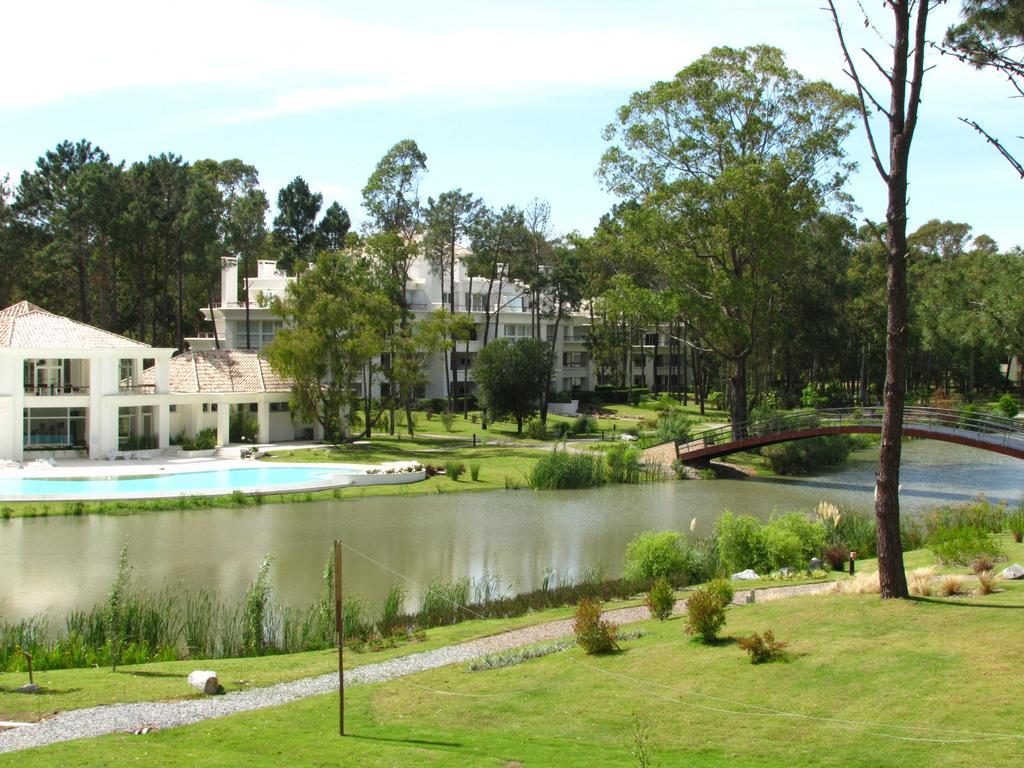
{"points": [[204, 440], [1015, 524], [594, 634], [763, 648], [983, 563], [705, 610], [454, 469], [788, 541], [447, 420], [536, 430], [1007, 406], [673, 425], [835, 555], [474, 471], [624, 464], [660, 555], [861, 584], [962, 544], [583, 425], [661, 599]]}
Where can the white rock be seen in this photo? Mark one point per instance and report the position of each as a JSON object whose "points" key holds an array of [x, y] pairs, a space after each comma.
{"points": [[1015, 571], [204, 681], [747, 575]]}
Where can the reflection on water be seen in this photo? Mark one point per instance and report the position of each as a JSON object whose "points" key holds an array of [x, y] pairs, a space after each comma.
{"points": [[56, 564]]}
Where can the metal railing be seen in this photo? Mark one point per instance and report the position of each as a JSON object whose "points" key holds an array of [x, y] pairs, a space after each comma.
{"points": [[984, 427], [52, 390]]}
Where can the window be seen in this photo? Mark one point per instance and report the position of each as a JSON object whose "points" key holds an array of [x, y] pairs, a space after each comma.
{"points": [[650, 339], [516, 332], [172, 408], [209, 407], [570, 383], [45, 428], [574, 359], [279, 407]]}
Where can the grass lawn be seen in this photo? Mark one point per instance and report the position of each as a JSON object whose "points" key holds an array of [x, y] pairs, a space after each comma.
{"points": [[868, 684], [76, 688]]}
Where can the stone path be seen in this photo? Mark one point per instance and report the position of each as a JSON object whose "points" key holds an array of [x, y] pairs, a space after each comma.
{"points": [[124, 718]]}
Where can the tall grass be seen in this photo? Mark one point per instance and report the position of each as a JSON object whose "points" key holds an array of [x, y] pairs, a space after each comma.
{"points": [[560, 470]]}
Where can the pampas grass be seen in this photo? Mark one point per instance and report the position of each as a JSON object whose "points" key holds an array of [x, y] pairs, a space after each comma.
{"points": [[951, 585], [986, 583], [921, 582], [861, 584]]}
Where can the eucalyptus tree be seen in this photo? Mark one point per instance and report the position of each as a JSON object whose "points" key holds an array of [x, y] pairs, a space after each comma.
{"points": [[448, 221], [500, 240], [391, 198], [904, 81], [562, 295], [295, 230], [731, 158]]}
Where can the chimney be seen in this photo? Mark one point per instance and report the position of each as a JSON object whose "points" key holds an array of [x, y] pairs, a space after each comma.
{"points": [[228, 281]]}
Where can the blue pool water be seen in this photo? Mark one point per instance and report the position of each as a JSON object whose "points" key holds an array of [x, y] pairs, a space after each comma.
{"points": [[246, 479]]}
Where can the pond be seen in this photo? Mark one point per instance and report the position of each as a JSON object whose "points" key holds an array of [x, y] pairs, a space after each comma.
{"points": [[53, 565]]}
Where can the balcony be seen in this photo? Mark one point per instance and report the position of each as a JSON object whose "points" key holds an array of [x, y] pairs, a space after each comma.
{"points": [[137, 389], [53, 390]]}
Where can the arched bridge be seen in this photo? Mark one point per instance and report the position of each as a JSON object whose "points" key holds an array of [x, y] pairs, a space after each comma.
{"points": [[985, 431]]}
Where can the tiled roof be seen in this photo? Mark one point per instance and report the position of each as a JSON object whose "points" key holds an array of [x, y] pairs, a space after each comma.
{"points": [[220, 371], [26, 326]]}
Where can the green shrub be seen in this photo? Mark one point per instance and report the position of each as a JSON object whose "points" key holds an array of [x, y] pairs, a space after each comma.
{"points": [[962, 544], [799, 457], [664, 554], [593, 634], [454, 469], [1007, 406], [583, 425], [763, 648], [447, 420], [673, 425], [535, 429], [624, 464], [1015, 523], [257, 612], [204, 440], [564, 469], [661, 599], [790, 540], [474, 471], [705, 610]]}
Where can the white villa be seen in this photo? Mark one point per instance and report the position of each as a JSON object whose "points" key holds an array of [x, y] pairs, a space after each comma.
{"points": [[69, 389]]}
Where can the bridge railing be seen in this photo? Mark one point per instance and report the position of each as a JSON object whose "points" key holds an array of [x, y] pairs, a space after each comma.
{"points": [[996, 429]]}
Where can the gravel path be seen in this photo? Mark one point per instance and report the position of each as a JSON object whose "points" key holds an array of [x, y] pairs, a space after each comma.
{"points": [[121, 718]]}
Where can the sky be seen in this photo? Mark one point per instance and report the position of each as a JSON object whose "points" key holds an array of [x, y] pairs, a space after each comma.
{"points": [[508, 100]]}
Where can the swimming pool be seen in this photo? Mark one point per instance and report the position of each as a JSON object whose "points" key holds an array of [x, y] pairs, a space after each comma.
{"points": [[213, 482]]}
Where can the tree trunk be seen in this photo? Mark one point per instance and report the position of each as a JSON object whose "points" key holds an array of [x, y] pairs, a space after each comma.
{"points": [[863, 376], [738, 399]]}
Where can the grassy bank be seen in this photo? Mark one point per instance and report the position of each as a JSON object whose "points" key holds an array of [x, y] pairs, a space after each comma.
{"points": [[868, 684]]}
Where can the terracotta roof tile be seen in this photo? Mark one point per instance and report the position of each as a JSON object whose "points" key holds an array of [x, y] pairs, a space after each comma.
{"points": [[26, 326], [220, 371]]}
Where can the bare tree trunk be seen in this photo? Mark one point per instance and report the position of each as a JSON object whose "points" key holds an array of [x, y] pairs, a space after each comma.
{"points": [[738, 399]]}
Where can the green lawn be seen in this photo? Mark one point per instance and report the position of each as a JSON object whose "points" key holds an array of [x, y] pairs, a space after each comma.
{"points": [[868, 684], [76, 688]]}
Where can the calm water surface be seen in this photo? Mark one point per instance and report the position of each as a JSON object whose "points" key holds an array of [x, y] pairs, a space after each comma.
{"points": [[53, 565]]}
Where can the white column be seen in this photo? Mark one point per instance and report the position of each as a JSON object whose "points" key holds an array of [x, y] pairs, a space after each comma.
{"points": [[263, 417], [12, 418], [163, 375], [223, 424], [163, 425], [95, 416]]}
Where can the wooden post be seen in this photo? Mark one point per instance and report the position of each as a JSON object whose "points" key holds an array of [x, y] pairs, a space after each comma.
{"points": [[340, 626]]}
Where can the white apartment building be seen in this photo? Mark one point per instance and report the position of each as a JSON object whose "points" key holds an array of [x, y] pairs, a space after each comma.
{"points": [[510, 319]]}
